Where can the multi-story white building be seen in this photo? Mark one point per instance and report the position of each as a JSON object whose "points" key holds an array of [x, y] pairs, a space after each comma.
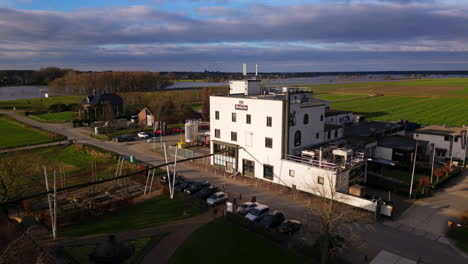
{"points": [[447, 141], [282, 138]]}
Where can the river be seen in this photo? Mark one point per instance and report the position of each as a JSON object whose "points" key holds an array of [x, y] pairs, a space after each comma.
{"points": [[27, 92]]}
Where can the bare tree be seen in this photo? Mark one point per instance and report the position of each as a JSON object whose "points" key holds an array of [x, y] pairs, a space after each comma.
{"points": [[335, 218]]}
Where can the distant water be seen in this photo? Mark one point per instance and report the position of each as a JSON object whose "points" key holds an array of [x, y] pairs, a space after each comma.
{"points": [[21, 92], [27, 92]]}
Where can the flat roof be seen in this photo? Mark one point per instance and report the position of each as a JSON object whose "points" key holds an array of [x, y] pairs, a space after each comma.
{"points": [[369, 128], [333, 112], [440, 130], [275, 97], [397, 142]]}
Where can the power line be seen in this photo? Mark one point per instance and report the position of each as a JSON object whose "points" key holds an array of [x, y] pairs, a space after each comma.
{"points": [[83, 185]]}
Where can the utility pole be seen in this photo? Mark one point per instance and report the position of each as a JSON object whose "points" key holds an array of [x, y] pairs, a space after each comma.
{"points": [[433, 159], [414, 167], [52, 206]]}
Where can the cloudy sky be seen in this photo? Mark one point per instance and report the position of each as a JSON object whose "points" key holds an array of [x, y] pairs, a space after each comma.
{"points": [[191, 35]]}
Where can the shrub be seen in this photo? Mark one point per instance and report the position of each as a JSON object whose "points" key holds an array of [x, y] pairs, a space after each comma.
{"points": [[55, 108], [73, 107]]}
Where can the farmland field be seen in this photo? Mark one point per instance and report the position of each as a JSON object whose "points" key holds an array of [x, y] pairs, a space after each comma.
{"points": [[14, 134], [338, 97], [451, 110], [428, 87]]}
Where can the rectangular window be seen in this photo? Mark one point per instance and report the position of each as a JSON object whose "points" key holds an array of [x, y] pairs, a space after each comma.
{"points": [[217, 115], [233, 117], [268, 172], [292, 173], [217, 133], [268, 142], [248, 119], [320, 180], [269, 121], [447, 138], [233, 136]]}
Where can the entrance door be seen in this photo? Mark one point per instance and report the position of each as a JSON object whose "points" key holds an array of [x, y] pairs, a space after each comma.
{"points": [[248, 168]]}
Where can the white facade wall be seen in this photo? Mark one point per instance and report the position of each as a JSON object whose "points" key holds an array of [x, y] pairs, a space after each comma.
{"points": [[383, 153], [245, 87], [340, 119], [309, 131], [251, 137], [440, 143]]}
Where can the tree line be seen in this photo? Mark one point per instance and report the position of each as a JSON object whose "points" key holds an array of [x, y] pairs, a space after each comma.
{"points": [[30, 77], [109, 82]]}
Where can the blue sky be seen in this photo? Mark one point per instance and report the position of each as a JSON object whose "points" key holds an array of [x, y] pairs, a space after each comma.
{"points": [[294, 35]]}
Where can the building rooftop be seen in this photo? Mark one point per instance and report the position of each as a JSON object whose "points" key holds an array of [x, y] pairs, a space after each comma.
{"points": [[333, 112], [441, 130], [370, 128], [397, 142], [311, 101]]}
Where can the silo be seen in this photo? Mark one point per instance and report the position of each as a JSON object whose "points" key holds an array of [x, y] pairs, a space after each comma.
{"points": [[191, 131]]}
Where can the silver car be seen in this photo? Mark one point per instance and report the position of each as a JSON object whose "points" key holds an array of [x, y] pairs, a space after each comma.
{"points": [[246, 207], [217, 198], [256, 214]]}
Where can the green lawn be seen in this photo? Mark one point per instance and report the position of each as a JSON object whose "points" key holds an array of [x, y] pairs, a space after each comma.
{"points": [[14, 134], [425, 110], [447, 82], [224, 242], [75, 160], [80, 254], [58, 117], [337, 97], [39, 103], [158, 211]]}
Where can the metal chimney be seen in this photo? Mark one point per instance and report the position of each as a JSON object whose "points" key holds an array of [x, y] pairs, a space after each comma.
{"points": [[256, 69], [244, 70]]}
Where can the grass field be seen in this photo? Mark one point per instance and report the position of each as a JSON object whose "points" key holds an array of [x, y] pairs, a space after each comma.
{"points": [[224, 242], [338, 97], [39, 103], [14, 134], [58, 117], [158, 211], [80, 254], [450, 110], [75, 160], [427, 87]]}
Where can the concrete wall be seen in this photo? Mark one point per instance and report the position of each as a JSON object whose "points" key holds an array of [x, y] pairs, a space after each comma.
{"points": [[441, 143], [383, 153]]}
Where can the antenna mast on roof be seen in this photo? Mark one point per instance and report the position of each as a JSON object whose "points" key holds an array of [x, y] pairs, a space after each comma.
{"points": [[244, 70]]}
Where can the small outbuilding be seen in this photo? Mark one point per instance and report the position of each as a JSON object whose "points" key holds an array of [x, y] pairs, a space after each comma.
{"points": [[146, 118]]}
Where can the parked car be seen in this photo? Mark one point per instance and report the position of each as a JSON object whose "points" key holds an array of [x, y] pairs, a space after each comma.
{"points": [[143, 134], [246, 207], [183, 185], [164, 180], [272, 220], [289, 227], [206, 192], [258, 212], [178, 130], [153, 140], [195, 187], [217, 198], [123, 138]]}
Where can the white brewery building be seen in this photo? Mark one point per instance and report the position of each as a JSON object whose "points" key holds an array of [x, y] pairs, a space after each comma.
{"points": [[283, 137]]}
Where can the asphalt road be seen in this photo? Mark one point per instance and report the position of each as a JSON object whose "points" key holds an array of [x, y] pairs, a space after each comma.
{"points": [[398, 236]]}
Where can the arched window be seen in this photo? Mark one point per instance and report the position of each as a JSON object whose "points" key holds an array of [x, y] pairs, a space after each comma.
{"points": [[306, 119], [297, 138]]}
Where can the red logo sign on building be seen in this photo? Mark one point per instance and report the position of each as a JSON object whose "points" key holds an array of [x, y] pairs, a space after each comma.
{"points": [[241, 106]]}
